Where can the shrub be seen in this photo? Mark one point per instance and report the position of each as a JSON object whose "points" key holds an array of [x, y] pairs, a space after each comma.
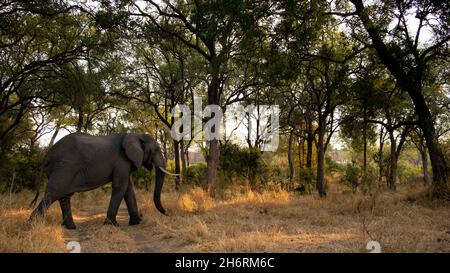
{"points": [[196, 174], [142, 178], [408, 172], [351, 175], [332, 166], [236, 162], [236, 159], [23, 166], [308, 178], [371, 179]]}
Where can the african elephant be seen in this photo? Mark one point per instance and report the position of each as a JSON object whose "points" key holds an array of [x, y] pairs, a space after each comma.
{"points": [[81, 162]]}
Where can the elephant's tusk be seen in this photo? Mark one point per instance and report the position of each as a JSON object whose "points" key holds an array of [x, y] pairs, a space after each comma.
{"points": [[167, 172]]}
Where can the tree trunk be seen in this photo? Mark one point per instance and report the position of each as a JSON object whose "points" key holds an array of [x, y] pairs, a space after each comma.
{"points": [[188, 161], [164, 142], [212, 159], [257, 138], [290, 159], [183, 161], [19, 116], [249, 131], [80, 122], [321, 159], [213, 156], [309, 145], [380, 153], [55, 134], [301, 153], [176, 152], [438, 162], [424, 157], [393, 162], [364, 177]]}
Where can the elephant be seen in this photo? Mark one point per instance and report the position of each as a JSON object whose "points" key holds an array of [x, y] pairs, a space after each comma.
{"points": [[81, 162]]}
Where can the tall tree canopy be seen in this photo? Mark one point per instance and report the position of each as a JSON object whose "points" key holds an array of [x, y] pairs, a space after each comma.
{"points": [[371, 73]]}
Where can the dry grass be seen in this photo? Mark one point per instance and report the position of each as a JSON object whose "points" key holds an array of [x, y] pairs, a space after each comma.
{"points": [[241, 221]]}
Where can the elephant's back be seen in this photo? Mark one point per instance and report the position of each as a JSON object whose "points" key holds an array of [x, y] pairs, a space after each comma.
{"points": [[65, 145], [78, 146]]}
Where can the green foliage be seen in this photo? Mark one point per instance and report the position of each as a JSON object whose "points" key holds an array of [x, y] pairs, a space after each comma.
{"points": [[236, 161], [308, 179], [385, 161], [332, 166], [196, 174], [20, 168], [142, 178], [446, 151], [351, 175], [408, 172], [370, 183], [409, 166], [116, 72]]}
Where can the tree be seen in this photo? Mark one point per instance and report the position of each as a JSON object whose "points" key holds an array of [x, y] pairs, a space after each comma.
{"points": [[402, 54], [326, 85], [419, 141], [359, 109], [160, 83], [34, 38], [296, 33], [82, 88], [377, 100], [216, 30]]}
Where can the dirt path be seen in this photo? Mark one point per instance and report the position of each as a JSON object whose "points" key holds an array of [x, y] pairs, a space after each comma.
{"points": [[89, 221]]}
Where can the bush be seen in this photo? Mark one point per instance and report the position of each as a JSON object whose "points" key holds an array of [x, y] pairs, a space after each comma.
{"points": [[308, 178], [23, 166], [407, 172], [371, 179], [238, 162], [351, 175], [332, 166], [196, 174], [142, 178]]}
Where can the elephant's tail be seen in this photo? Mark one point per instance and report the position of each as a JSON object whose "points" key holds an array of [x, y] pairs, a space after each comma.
{"points": [[39, 182]]}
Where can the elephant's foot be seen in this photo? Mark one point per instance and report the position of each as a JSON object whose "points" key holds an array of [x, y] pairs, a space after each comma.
{"points": [[134, 220], [110, 222], [69, 225]]}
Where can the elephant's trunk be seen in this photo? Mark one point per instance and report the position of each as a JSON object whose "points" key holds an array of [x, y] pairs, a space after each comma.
{"points": [[159, 180]]}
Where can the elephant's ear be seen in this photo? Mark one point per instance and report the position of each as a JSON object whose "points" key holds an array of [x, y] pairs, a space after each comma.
{"points": [[133, 149]]}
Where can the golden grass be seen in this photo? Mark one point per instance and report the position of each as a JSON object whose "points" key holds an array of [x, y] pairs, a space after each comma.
{"points": [[18, 236], [240, 221]]}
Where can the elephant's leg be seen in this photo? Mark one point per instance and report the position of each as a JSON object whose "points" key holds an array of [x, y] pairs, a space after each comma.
{"points": [[67, 212], [58, 183], [119, 187], [130, 200]]}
